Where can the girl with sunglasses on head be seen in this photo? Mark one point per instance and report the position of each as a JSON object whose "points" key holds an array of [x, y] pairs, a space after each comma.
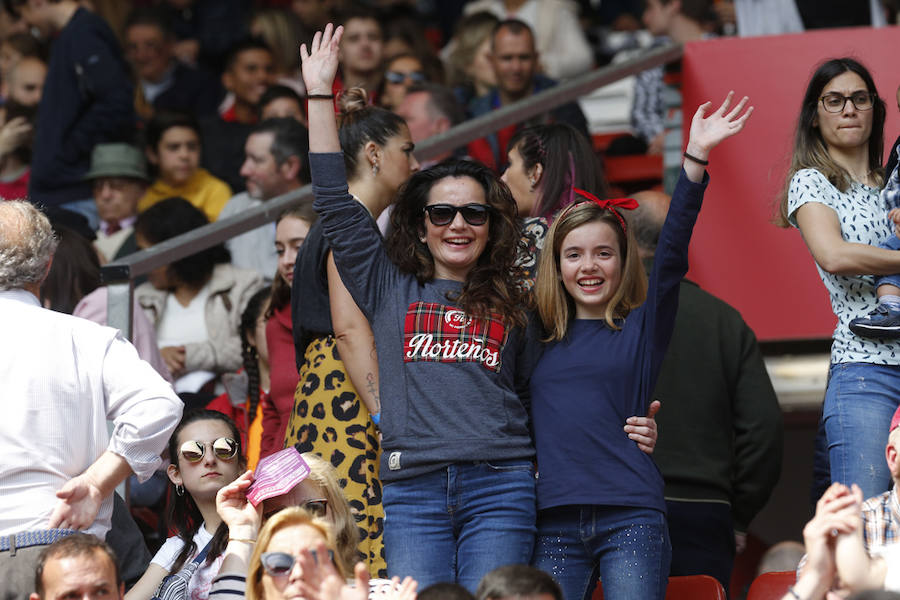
{"points": [[448, 314], [607, 331], [206, 455], [832, 197]]}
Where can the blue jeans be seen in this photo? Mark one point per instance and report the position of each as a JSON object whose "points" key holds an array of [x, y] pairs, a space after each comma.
{"points": [[859, 402], [627, 547], [460, 522], [891, 243]]}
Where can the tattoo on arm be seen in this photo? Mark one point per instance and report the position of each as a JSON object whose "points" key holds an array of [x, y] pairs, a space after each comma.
{"points": [[373, 390]]}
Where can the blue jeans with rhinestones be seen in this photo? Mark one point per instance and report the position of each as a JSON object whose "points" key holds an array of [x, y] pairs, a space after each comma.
{"points": [[628, 548]]}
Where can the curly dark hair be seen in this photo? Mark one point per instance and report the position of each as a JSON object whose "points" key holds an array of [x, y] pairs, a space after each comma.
{"points": [[495, 282]]}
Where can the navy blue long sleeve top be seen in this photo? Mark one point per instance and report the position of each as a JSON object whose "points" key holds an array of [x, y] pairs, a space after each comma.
{"points": [[586, 385]]}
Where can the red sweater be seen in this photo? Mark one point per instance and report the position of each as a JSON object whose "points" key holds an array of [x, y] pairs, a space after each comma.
{"points": [[283, 371]]}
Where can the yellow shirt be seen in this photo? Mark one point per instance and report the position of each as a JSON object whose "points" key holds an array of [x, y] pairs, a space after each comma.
{"points": [[203, 190]]}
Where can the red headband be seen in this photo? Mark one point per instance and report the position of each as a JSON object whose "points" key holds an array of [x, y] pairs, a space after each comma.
{"points": [[610, 204]]}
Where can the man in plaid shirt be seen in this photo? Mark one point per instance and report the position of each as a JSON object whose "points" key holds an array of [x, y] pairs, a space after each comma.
{"points": [[881, 514]]}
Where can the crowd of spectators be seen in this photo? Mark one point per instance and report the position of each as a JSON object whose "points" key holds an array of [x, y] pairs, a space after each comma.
{"points": [[128, 123]]}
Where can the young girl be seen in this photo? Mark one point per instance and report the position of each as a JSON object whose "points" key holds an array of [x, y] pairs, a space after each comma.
{"points": [[291, 230], [600, 499], [206, 455], [173, 148]]}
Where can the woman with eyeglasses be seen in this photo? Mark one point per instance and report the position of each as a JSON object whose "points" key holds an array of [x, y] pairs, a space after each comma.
{"points": [[448, 312], [832, 197], [205, 450]]}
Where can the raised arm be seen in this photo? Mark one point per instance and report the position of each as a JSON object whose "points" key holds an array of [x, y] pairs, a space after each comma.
{"points": [[709, 132], [320, 63]]}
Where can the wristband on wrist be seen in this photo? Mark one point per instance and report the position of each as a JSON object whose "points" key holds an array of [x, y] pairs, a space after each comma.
{"points": [[693, 158], [320, 96], [244, 540]]}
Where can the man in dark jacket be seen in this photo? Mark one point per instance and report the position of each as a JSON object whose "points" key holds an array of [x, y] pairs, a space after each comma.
{"points": [[515, 62], [720, 450], [87, 100]]}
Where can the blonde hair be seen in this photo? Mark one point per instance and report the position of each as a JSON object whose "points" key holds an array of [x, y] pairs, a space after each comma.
{"points": [[346, 533], [554, 304], [471, 31], [289, 517], [280, 31]]}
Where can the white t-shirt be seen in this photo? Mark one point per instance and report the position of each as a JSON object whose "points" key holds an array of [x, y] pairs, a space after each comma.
{"points": [[182, 325], [198, 588]]}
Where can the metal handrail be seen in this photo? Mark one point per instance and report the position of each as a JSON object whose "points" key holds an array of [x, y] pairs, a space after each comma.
{"points": [[119, 275]]}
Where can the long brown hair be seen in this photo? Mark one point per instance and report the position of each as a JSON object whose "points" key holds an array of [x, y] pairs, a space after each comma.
{"points": [[554, 304], [281, 289], [495, 283], [810, 151]]}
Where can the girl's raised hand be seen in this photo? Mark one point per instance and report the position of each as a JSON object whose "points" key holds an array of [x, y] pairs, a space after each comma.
{"points": [[708, 131], [235, 510], [320, 61]]}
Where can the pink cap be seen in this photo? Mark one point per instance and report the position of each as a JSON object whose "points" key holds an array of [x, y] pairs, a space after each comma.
{"points": [[895, 420]]}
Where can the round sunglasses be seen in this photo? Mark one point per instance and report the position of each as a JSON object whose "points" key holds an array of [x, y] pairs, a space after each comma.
{"points": [[224, 448], [443, 214], [279, 564]]}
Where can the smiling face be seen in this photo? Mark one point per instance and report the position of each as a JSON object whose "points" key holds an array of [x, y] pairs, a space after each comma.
{"points": [[590, 264], [290, 234], [850, 128], [148, 51], [249, 75], [177, 155], [291, 540], [455, 247], [204, 478]]}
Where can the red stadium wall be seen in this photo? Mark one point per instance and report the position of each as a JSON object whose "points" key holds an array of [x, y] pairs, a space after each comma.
{"points": [[737, 253]]}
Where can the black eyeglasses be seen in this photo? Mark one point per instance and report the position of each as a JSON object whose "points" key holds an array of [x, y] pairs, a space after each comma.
{"points": [[279, 564], [224, 448], [834, 102], [397, 77], [443, 214]]}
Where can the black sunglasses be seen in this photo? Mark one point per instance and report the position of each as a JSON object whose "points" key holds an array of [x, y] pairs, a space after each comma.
{"points": [[279, 564], [224, 448], [443, 214], [397, 77]]}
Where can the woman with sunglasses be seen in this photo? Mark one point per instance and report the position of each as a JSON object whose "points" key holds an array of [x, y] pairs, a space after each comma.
{"points": [[832, 197], [448, 313], [607, 332], [400, 72], [205, 450]]}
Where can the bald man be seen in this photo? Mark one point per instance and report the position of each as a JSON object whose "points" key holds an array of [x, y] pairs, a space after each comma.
{"points": [[720, 454], [25, 82]]}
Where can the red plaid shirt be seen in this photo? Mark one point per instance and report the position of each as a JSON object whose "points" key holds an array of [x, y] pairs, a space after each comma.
{"points": [[437, 333]]}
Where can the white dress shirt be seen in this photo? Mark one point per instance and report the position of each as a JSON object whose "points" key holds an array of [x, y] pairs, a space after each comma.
{"points": [[61, 379]]}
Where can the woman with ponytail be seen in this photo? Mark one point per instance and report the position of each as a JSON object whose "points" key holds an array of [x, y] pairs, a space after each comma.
{"points": [[338, 388]]}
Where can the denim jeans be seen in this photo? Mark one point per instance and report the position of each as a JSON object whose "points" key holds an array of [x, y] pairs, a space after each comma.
{"points": [[627, 547], [859, 402], [460, 522]]}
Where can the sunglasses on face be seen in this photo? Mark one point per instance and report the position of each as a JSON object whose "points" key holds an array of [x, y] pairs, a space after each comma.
{"points": [[317, 508], [279, 564], [224, 448], [443, 214], [398, 77]]}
